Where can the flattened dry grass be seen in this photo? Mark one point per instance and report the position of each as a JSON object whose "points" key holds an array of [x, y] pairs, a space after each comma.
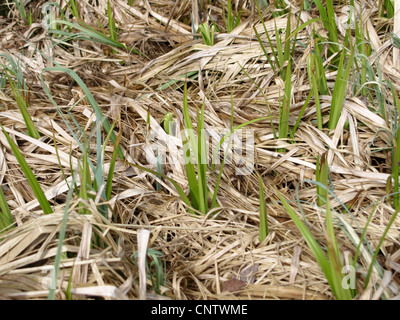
{"points": [[204, 254]]}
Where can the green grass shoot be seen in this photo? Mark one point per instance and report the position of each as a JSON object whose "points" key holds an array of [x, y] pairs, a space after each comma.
{"points": [[112, 162], [90, 34], [195, 153], [321, 173], [156, 269], [22, 103], [341, 84], [328, 18], [74, 8], [207, 33], [331, 266], [313, 78], [111, 23], [231, 20]]}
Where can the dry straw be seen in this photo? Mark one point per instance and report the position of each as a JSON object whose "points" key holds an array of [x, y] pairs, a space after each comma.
{"points": [[204, 254]]}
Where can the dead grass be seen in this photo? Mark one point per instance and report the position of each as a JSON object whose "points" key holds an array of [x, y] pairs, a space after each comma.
{"points": [[201, 253]]}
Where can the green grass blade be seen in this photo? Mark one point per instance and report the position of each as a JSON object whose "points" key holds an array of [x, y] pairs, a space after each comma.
{"points": [[207, 33], [202, 163], [264, 50], [190, 173], [21, 8], [287, 51], [180, 191], [308, 237], [85, 182], [334, 257], [395, 175], [339, 90], [73, 7], [111, 23], [190, 149], [61, 237], [319, 69], [89, 33], [378, 248], [266, 102], [280, 51], [363, 234], [6, 218], [329, 21], [311, 66], [112, 167], [303, 108], [283, 128], [37, 190], [23, 107], [263, 229], [322, 172], [268, 37], [330, 268], [99, 115]]}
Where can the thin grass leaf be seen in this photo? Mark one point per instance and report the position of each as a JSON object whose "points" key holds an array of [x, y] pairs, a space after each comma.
{"points": [[190, 143], [23, 107], [207, 33], [231, 20], [19, 4], [361, 45], [37, 190], [99, 115], [339, 90], [266, 102], [264, 50], [311, 68], [85, 182], [329, 21], [202, 163], [378, 248], [269, 40], [362, 237], [336, 264], [263, 228], [58, 157], [6, 218], [90, 34], [287, 51], [283, 128], [322, 172], [308, 237], [180, 191], [332, 267], [73, 7], [111, 23], [395, 175], [319, 67], [303, 108]]}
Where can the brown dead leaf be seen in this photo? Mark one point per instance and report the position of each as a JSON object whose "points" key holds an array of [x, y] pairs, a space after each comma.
{"points": [[233, 285]]}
